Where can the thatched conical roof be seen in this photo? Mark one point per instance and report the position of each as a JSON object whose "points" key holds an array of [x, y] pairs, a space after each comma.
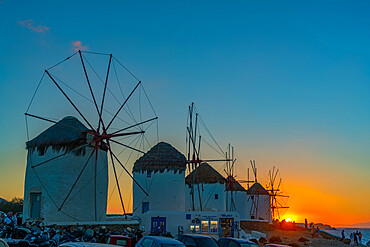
{"points": [[67, 134], [257, 189], [161, 157], [236, 186], [205, 174]]}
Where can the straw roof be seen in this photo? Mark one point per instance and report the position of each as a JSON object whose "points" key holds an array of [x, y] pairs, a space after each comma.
{"points": [[67, 134], [161, 157], [205, 174], [236, 185], [257, 189]]}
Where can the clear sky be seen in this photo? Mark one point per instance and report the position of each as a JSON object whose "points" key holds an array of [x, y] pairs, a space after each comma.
{"points": [[286, 82]]}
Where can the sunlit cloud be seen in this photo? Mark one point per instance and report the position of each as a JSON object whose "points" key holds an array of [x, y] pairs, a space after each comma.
{"points": [[77, 45], [33, 26]]}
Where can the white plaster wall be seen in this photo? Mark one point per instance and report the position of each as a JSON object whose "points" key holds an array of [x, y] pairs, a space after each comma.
{"points": [[264, 208], [240, 201], [264, 205], [58, 176], [207, 195], [166, 191]]}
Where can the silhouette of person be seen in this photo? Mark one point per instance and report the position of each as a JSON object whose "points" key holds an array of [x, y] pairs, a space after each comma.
{"points": [[352, 238], [359, 237], [355, 237]]}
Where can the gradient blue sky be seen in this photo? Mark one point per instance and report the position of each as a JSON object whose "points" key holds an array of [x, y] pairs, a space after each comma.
{"points": [[286, 82]]}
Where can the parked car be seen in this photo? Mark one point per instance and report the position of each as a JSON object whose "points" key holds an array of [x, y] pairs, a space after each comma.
{"points": [[3, 243], [235, 242], [197, 240], [120, 240], [156, 241], [275, 245], [85, 244]]}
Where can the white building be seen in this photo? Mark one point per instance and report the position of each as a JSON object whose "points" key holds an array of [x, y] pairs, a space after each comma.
{"points": [[53, 166], [212, 192], [236, 198], [205, 190], [161, 172], [259, 203]]}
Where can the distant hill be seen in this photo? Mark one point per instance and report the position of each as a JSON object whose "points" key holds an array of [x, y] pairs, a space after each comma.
{"points": [[358, 225], [2, 200], [323, 226]]}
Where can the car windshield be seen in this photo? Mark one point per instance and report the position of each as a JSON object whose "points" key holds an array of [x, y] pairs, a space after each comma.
{"points": [[247, 245], [206, 242], [173, 245]]}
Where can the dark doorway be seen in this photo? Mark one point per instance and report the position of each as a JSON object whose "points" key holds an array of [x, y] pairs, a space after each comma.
{"points": [[35, 205]]}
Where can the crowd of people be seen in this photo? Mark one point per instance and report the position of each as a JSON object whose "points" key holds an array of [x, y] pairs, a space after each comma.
{"points": [[355, 237], [9, 219]]}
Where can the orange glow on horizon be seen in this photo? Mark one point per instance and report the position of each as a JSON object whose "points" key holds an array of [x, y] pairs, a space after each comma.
{"points": [[291, 218]]}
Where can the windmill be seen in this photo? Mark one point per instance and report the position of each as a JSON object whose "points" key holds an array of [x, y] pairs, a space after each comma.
{"points": [[94, 99], [193, 144], [276, 195], [254, 195], [229, 170]]}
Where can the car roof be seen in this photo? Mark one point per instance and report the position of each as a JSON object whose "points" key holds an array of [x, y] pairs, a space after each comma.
{"points": [[276, 245], [119, 236], [196, 236], [86, 244], [164, 240], [239, 240]]}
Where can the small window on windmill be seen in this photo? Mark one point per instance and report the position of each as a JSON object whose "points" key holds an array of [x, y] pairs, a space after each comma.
{"points": [[216, 196], [145, 207], [148, 174]]}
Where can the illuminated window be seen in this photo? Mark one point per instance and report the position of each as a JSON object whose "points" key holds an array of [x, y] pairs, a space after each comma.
{"points": [[214, 224], [148, 174], [205, 225], [194, 228]]}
